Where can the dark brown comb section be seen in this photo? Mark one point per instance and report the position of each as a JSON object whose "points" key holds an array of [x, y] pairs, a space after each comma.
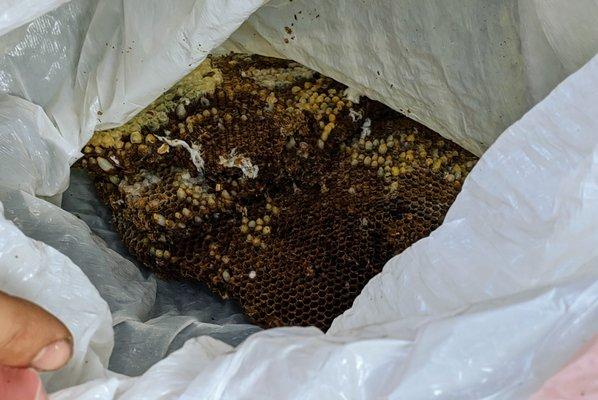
{"points": [[303, 195]]}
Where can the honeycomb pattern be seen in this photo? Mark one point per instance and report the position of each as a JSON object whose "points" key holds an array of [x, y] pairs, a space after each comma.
{"points": [[302, 198]]}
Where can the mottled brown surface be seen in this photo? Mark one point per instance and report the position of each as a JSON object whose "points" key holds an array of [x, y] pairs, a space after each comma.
{"points": [[333, 219]]}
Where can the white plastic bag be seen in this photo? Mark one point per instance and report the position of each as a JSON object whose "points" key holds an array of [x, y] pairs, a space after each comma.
{"points": [[15, 13], [489, 306], [39, 273], [93, 64], [465, 69]]}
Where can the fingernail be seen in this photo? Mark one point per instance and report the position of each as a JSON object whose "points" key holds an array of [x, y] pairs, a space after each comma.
{"points": [[53, 356]]}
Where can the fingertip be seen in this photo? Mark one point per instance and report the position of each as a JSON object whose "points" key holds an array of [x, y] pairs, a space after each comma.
{"points": [[53, 356], [31, 336]]}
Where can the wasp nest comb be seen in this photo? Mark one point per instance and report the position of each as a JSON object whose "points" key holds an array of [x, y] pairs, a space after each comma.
{"points": [[261, 179]]}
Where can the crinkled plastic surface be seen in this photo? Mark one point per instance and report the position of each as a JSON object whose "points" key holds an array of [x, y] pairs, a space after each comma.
{"points": [[94, 64], [15, 13], [489, 306], [40, 273], [151, 318], [467, 70], [34, 155]]}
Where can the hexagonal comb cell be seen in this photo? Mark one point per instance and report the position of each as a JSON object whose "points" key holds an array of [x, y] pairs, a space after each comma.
{"points": [[261, 179]]}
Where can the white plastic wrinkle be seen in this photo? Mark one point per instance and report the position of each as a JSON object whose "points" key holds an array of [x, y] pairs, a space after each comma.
{"points": [[465, 69], [94, 64], [34, 155], [15, 13], [41, 274]]}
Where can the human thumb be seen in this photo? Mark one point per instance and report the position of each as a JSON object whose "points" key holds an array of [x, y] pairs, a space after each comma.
{"points": [[31, 337]]}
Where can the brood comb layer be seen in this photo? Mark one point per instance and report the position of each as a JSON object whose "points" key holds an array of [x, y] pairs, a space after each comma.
{"points": [[300, 197]]}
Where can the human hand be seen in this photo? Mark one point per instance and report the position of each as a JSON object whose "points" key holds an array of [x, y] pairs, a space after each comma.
{"points": [[577, 380], [31, 340]]}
